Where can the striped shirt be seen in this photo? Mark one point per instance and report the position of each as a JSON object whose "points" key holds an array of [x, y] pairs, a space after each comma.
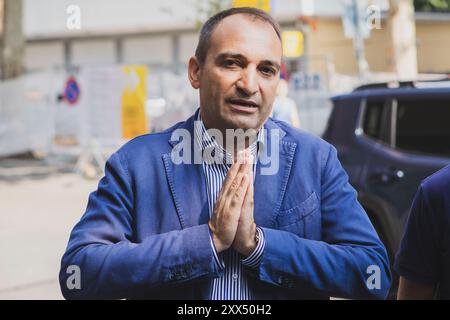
{"points": [[232, 284]]}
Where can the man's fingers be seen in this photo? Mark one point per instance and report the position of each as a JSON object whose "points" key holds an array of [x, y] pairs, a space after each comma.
{"points": [[236, 182], [229, 203], [251, 172], [242, 170], [227, 189], [234, 178], [231, 175], [249, 192], [248, 203], [249, 163], [224, 192], [237, 198]]}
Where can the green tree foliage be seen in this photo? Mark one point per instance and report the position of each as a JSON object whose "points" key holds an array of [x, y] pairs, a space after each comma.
{"points": [[432, 5], [208, 8]]}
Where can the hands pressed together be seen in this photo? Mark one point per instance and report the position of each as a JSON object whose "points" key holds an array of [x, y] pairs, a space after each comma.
{"points": [[232, 223]]}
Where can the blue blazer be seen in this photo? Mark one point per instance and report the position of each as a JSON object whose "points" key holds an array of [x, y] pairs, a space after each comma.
{"points": [[145, 235]]}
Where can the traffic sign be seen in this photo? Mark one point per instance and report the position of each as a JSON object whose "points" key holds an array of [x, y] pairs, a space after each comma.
{"points": [[354, 19], [72, 91], [260, 4], [293, 44]]}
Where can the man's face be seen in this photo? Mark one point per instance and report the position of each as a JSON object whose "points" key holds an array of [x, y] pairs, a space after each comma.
{"points": [[239, 77]]}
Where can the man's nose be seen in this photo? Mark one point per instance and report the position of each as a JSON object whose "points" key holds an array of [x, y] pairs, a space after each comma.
{"points": [[248, 82]]}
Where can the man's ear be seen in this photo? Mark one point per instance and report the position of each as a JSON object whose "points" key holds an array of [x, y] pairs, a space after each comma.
{"points": [[194, 72]]}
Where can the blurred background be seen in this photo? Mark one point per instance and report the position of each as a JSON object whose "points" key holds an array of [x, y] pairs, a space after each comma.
{"points": [[79, 78]]}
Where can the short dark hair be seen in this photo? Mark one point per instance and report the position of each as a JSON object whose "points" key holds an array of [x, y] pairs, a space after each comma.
{"points": [[211, 24]]}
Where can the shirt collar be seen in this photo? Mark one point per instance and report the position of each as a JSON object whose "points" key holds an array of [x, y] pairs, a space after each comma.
{"points": [[206, 142]]}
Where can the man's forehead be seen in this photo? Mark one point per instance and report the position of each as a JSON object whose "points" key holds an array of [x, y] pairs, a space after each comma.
{"points": [[246, 35]]}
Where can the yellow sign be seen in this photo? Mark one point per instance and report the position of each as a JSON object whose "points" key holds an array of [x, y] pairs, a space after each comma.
{"points": [[134, 119], [293, 44], [260, 4]]}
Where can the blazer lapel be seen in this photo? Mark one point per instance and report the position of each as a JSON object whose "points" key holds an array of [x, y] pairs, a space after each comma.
{"points": [[187, 184], [270, 189]]}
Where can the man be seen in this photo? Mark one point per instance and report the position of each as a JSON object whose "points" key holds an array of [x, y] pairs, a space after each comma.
{"points": [[423, 261], [236, 228]]}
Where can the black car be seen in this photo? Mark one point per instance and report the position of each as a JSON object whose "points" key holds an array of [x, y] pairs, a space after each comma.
{"points": [[389, 140]]}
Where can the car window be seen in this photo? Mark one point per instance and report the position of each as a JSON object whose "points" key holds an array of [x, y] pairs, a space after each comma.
{"points": [[423, 126], [373, 119]]}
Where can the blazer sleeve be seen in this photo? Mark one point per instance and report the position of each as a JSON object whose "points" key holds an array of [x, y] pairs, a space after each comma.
{"points": [[350, 261], [111, 265]]}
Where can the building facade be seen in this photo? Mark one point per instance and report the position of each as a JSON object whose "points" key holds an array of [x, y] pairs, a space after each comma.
{"points": [[164, 35]]}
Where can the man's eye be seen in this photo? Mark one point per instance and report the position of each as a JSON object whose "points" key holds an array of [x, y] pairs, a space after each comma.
{"points": [[268, 71], [230, 63]]}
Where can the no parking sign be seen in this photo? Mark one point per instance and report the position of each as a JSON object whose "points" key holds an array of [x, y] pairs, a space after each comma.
{"points": [[72, 91]]}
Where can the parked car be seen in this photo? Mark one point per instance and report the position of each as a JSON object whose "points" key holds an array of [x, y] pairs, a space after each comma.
{"points": [[388, 140]]}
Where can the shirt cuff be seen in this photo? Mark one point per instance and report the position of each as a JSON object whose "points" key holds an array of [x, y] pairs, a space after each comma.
{"points": [[254, 258], [219, 262]]}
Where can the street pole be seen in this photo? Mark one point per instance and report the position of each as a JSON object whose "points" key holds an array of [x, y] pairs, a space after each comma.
{"points": [[303, 61], [12, 41], [358, 42]]}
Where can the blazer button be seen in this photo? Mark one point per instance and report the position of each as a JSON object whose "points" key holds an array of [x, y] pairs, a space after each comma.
{"points": [[288, 283], [285, 282], [175, 275]]}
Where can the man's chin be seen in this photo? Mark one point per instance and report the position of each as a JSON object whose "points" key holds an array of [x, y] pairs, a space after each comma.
{"points": [[243, 122]]}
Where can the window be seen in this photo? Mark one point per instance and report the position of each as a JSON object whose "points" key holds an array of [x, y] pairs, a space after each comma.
{"points": [[423, 126], [373, 119]]}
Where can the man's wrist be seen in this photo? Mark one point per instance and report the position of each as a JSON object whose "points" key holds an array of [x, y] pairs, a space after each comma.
{"points": [[218, 244], [250, 247], [217, 259], [254, 259]]}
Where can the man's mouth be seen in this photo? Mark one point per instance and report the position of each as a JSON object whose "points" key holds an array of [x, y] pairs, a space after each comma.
{"points": [[242, 105]]}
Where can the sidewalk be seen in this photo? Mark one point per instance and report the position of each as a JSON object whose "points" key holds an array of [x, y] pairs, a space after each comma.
{"points": [[38, 208]]}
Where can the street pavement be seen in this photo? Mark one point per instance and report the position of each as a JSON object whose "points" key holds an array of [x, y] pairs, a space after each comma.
{"points": [[39, 205]]}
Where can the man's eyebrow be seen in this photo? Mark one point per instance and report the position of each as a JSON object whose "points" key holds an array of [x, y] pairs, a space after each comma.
{"points": [[238, 56], [227, 55]]}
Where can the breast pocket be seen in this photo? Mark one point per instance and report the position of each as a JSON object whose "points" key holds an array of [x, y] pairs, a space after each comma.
{"points": [[303, 219]]}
